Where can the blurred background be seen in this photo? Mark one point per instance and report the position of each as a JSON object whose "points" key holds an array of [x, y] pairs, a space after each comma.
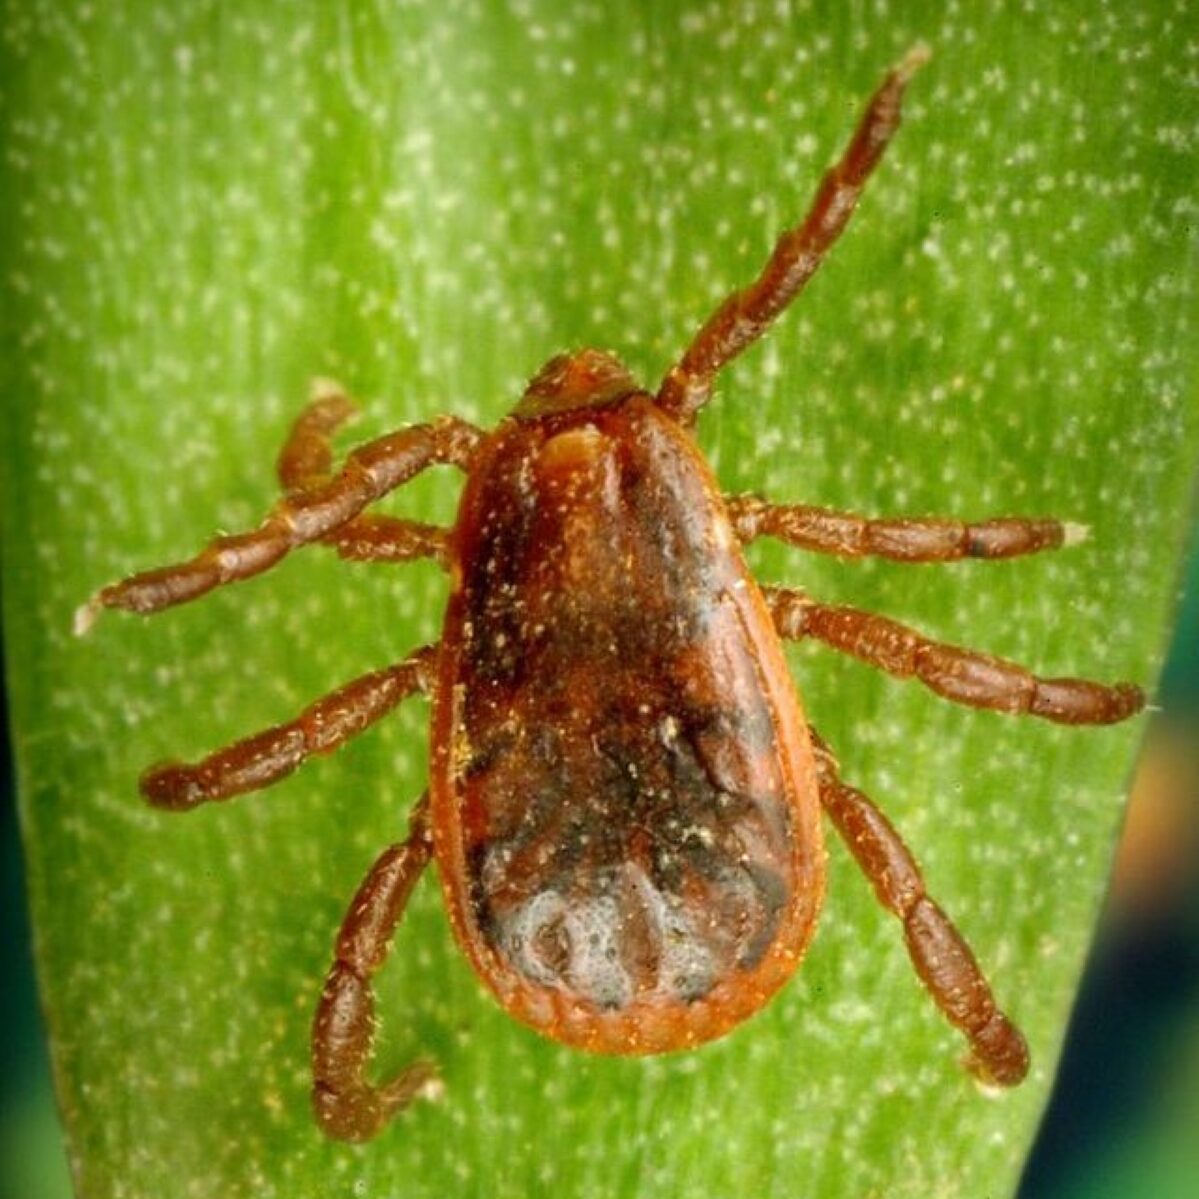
{"points": [[1124, 1112]]}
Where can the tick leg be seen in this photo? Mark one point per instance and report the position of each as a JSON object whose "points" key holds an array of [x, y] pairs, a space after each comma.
{"points": [[998, 1054], [902, 539], [370, 472], [271, 755], [347, 1106], [745, 315], [962, 675], [373, 538], [306, 461]]}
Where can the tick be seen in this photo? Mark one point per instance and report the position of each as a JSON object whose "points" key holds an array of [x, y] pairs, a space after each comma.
{"points": [[625, 796]]}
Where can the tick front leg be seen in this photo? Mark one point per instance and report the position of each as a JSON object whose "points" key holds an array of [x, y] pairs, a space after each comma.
{"points": [[306, 461], [745, 315], [267, 757], [347, 1106], [902, 539], [947, 967], [962, 675], [370, 472]]}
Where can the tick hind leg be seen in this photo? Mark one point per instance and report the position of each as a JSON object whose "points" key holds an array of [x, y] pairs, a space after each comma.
{"points": [[347, 1106], [947, 967], [901, 539], [267, 757], [745, 315], [962, 675], [306, 461]]}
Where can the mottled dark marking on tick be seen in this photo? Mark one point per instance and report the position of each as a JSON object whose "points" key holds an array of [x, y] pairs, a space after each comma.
{"points": [[640, 783]]}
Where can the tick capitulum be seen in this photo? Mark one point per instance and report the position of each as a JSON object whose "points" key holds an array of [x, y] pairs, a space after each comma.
{"points": [[625, 796]]}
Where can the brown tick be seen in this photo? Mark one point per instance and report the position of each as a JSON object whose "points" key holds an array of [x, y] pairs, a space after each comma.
{"points": [[625, 797]]}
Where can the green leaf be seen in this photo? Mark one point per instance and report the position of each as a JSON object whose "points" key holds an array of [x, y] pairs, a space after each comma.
{"points": [[204, 206]]}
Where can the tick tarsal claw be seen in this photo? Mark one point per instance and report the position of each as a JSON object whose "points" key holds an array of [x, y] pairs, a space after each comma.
{"points": [[321, 388], [432, 1088], [1074, 533], [86, 616], [330, 394], [986, 1088], [912, 61]]}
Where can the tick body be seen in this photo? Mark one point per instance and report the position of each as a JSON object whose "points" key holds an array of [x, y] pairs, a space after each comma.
{"points": [[624, 804], [625, 796]]}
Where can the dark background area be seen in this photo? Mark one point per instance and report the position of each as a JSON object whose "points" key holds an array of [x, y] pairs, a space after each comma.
{"points": [[1126, 1104], [1125, 1109]]}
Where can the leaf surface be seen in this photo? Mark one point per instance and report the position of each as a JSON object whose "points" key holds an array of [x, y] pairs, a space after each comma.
{"points": [[205, 206]]}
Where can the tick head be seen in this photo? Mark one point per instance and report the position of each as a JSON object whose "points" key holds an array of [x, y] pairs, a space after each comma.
{"points": [[584, 379]]}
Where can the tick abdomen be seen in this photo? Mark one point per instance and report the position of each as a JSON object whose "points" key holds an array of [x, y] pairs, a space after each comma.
{"points": [[639, 862]]}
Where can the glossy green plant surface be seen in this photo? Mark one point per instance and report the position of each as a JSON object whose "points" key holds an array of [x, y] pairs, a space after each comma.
{"points": [[206, 205]]}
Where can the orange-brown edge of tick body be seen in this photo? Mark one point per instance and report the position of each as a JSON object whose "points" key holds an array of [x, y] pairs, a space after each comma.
{"points": [[326, 506]]}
